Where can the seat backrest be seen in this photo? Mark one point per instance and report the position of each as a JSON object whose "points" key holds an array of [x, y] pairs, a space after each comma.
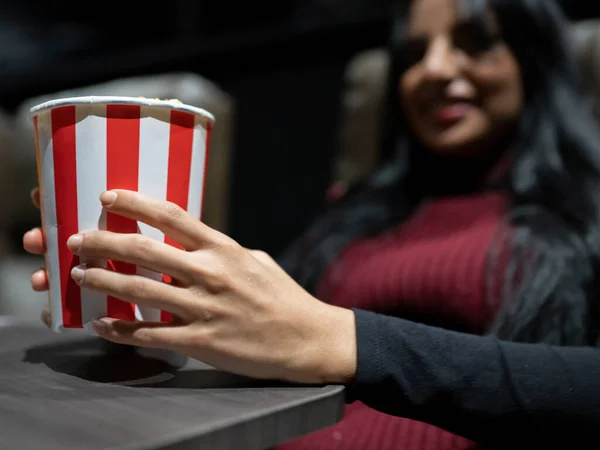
{"points": [[363, 96], [8, 180]]}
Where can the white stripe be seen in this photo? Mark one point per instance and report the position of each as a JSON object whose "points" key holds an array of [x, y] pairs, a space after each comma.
{"points": [[49, 217], [153, 173], [90, 136], [197, 168]]}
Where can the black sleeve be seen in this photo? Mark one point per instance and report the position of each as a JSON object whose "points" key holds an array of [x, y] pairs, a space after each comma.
{"points": [[494, 392]]}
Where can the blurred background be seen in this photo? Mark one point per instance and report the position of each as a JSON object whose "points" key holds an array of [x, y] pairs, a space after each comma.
{"points": [[278, 76]]}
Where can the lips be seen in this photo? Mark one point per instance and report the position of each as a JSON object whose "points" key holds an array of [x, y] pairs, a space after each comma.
{"points": [[451, 113]]}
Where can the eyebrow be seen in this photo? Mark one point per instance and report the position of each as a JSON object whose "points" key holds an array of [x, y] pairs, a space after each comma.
{"points": [[462, 23], [467, 9]]}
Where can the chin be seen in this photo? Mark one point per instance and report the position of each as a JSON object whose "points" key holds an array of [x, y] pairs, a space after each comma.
{"points": [[450, 147], [459, 140]]}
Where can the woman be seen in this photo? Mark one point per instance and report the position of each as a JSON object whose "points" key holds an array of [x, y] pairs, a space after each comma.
{"points": [[483, 220], [485, 116]]}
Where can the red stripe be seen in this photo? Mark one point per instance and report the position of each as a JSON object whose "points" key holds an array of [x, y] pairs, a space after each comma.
{"points": [[181, 142], [122, 164], [65, 186], [208, 133]]}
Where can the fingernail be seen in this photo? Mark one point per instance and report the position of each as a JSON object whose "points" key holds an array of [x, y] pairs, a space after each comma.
{"points": [[100, 326], [77, 273], [108, 198], [74, 243]]}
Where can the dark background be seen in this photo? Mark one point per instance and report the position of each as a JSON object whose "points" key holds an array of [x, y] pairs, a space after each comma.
{"points": [[281, 61]]}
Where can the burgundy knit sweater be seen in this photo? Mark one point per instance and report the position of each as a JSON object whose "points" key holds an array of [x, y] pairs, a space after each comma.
{"points": [[430, 269]]}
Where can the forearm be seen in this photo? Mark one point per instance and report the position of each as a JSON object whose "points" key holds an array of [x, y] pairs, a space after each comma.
{"points": [[478, 387]]}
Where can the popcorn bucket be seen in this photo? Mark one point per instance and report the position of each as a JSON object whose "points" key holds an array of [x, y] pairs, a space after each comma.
{"points": [[86, 145]]}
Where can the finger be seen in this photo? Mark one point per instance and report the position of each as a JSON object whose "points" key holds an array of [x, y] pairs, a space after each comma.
{"points": [[33, 241], [39, 280], [136, 289], [168, 217], [35, 197], [135, 249], [140, 334], [46, 317]]}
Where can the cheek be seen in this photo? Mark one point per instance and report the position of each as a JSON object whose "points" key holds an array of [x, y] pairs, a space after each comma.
{"points": [[407, 86], [503, 88], [506, 105]]}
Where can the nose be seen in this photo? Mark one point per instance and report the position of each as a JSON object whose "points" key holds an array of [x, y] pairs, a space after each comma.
{"points": [[440, 61]]}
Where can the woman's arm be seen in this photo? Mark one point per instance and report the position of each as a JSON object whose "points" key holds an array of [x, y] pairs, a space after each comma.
{"points": [[239, 311], [488, 390]]}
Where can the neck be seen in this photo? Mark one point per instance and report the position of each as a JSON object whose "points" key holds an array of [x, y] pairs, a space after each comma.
{"points": [[442, 176]]}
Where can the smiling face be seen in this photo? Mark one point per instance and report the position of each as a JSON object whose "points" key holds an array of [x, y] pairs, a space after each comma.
{"points": [[461, 92]]}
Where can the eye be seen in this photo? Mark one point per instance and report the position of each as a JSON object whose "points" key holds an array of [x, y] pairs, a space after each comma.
{"points": [[414, 50], [474, 38]]}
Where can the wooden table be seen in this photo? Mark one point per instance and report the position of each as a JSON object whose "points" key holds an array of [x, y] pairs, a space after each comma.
{"points": [[78, 392]]}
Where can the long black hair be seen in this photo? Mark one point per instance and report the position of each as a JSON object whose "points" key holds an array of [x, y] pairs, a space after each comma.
{"points": [[542, 267]]}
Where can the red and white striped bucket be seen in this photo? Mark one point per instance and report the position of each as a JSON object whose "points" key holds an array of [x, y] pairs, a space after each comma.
{"points": [[87, 145]]}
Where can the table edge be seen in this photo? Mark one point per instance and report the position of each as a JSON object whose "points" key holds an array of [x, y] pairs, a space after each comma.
{"points": [[329, 392]]}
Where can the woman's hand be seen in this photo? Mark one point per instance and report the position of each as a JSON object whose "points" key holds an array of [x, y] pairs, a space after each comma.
{"points": [[233, 308]]}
